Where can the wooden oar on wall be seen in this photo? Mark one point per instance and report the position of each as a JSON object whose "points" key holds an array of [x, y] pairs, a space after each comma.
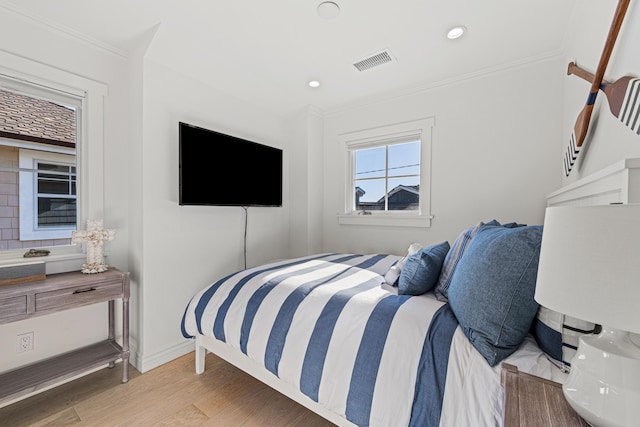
{"points": [[582, 123], [623, 96]]}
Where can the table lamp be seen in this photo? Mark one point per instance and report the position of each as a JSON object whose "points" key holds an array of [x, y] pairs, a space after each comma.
{"points": [[590, 269]]}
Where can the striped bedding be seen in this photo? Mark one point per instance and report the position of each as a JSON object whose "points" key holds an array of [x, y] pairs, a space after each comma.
{"points": [[329, 325]]}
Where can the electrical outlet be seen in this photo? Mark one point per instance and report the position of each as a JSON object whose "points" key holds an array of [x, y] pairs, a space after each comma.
{"points": [[25, 342]]}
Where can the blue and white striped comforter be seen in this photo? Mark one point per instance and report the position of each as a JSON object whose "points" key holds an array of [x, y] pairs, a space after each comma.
{"points": [[330, 326]]}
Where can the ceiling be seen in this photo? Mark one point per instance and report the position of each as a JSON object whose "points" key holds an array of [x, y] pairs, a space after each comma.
{"points": [[265, 52]]}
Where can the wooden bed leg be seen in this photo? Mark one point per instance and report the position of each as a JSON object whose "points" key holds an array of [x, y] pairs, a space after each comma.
{"points": [[201, 352]]}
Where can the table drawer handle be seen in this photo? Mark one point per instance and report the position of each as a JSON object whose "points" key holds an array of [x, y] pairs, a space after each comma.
{"points": [[81, 291]]}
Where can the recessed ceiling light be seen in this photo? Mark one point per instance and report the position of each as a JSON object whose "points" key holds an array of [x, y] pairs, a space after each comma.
{"points": [[456, 32], [328, 10], [314, 83]]}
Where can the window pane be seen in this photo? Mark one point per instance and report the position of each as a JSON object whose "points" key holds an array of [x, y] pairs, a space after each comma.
{"points": [[56, 212], [38, 154], [404, 159], [60, 169], [53, 186], [371, 163], [404, 194], [370, 195]]}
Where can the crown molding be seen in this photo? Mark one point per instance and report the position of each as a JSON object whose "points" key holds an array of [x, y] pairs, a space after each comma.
{"points": [[66, 31], [428, 86], [315, 110]]}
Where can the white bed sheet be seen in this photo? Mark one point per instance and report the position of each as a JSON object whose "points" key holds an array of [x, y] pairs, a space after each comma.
{"points": [[473, 392]]}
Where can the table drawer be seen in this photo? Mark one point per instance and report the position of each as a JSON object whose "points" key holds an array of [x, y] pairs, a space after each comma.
{"points": [[12, 307], [77, 296]]}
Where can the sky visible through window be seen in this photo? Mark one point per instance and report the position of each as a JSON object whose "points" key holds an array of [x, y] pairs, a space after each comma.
{"points": [[404, 168]]}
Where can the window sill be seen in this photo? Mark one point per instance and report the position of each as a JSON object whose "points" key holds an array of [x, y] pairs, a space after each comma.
{"points": [[60, 260], [386, 220]]}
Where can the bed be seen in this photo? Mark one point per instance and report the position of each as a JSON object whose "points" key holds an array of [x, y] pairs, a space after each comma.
{"points": [[417, 339]]}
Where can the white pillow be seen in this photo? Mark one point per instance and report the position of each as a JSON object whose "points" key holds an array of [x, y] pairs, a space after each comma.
{"points": [[392, 275]]}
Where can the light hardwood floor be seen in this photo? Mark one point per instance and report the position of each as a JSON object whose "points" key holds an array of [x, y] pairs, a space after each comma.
{"points": [[170, 395]]}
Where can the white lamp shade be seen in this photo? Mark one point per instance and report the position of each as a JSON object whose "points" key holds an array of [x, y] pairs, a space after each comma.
{"points": [[589, 264]]}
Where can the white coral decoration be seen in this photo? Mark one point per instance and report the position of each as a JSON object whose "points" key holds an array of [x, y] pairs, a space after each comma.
{"points": [[94, 236]]}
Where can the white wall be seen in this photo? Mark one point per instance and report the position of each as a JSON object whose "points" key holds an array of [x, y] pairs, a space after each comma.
{"points": [[135, 157], [306, 169], [184, 248], [53, 52], [608, 140], [494, 154]]}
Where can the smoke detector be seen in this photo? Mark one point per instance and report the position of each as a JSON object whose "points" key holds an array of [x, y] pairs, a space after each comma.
{"points": [[374, 60]]}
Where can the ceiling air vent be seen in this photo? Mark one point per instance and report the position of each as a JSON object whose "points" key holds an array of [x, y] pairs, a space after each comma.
{"points": [[374, 60]]}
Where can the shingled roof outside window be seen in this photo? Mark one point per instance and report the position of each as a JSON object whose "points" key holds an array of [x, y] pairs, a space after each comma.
{"points": [[37, 132], [36, 120]]}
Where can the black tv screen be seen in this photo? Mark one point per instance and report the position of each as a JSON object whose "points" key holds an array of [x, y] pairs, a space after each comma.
{"points": [[222, 170]]}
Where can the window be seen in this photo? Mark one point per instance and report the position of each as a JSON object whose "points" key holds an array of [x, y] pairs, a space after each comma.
{"points": [[43, 163], [387, 177], [38, 135], [388, 172], [47, 198], [56, 195]]}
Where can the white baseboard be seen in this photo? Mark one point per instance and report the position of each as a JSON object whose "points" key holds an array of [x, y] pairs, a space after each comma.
{"points": [[146, 362]]}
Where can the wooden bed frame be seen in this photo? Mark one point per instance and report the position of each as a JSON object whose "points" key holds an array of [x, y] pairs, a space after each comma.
{"points": [[618, 183]]}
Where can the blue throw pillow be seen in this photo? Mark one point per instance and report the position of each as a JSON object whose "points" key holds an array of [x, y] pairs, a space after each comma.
{"points": [[492, 288], [422, 269], [453, 257], [558, 335]]}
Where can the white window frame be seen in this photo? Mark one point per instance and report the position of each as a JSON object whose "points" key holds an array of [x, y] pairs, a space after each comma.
{"points": [[29, 229], [416, 130], [19, 74]]}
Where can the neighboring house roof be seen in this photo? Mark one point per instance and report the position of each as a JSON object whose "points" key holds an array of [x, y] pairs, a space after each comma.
{"points": [[409, 200], [414, 189], [32, 119]]}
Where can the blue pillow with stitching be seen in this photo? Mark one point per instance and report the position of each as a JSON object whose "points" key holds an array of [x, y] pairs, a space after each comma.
{"points": [[492, 288], [454, 256], [422, 269]]}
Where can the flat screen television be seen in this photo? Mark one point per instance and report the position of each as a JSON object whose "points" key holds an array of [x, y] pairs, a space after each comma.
{"points": [[216, 169]]}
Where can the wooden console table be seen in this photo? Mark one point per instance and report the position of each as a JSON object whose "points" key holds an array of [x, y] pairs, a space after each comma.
{"points": [[59, 292], [534, 401]]}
